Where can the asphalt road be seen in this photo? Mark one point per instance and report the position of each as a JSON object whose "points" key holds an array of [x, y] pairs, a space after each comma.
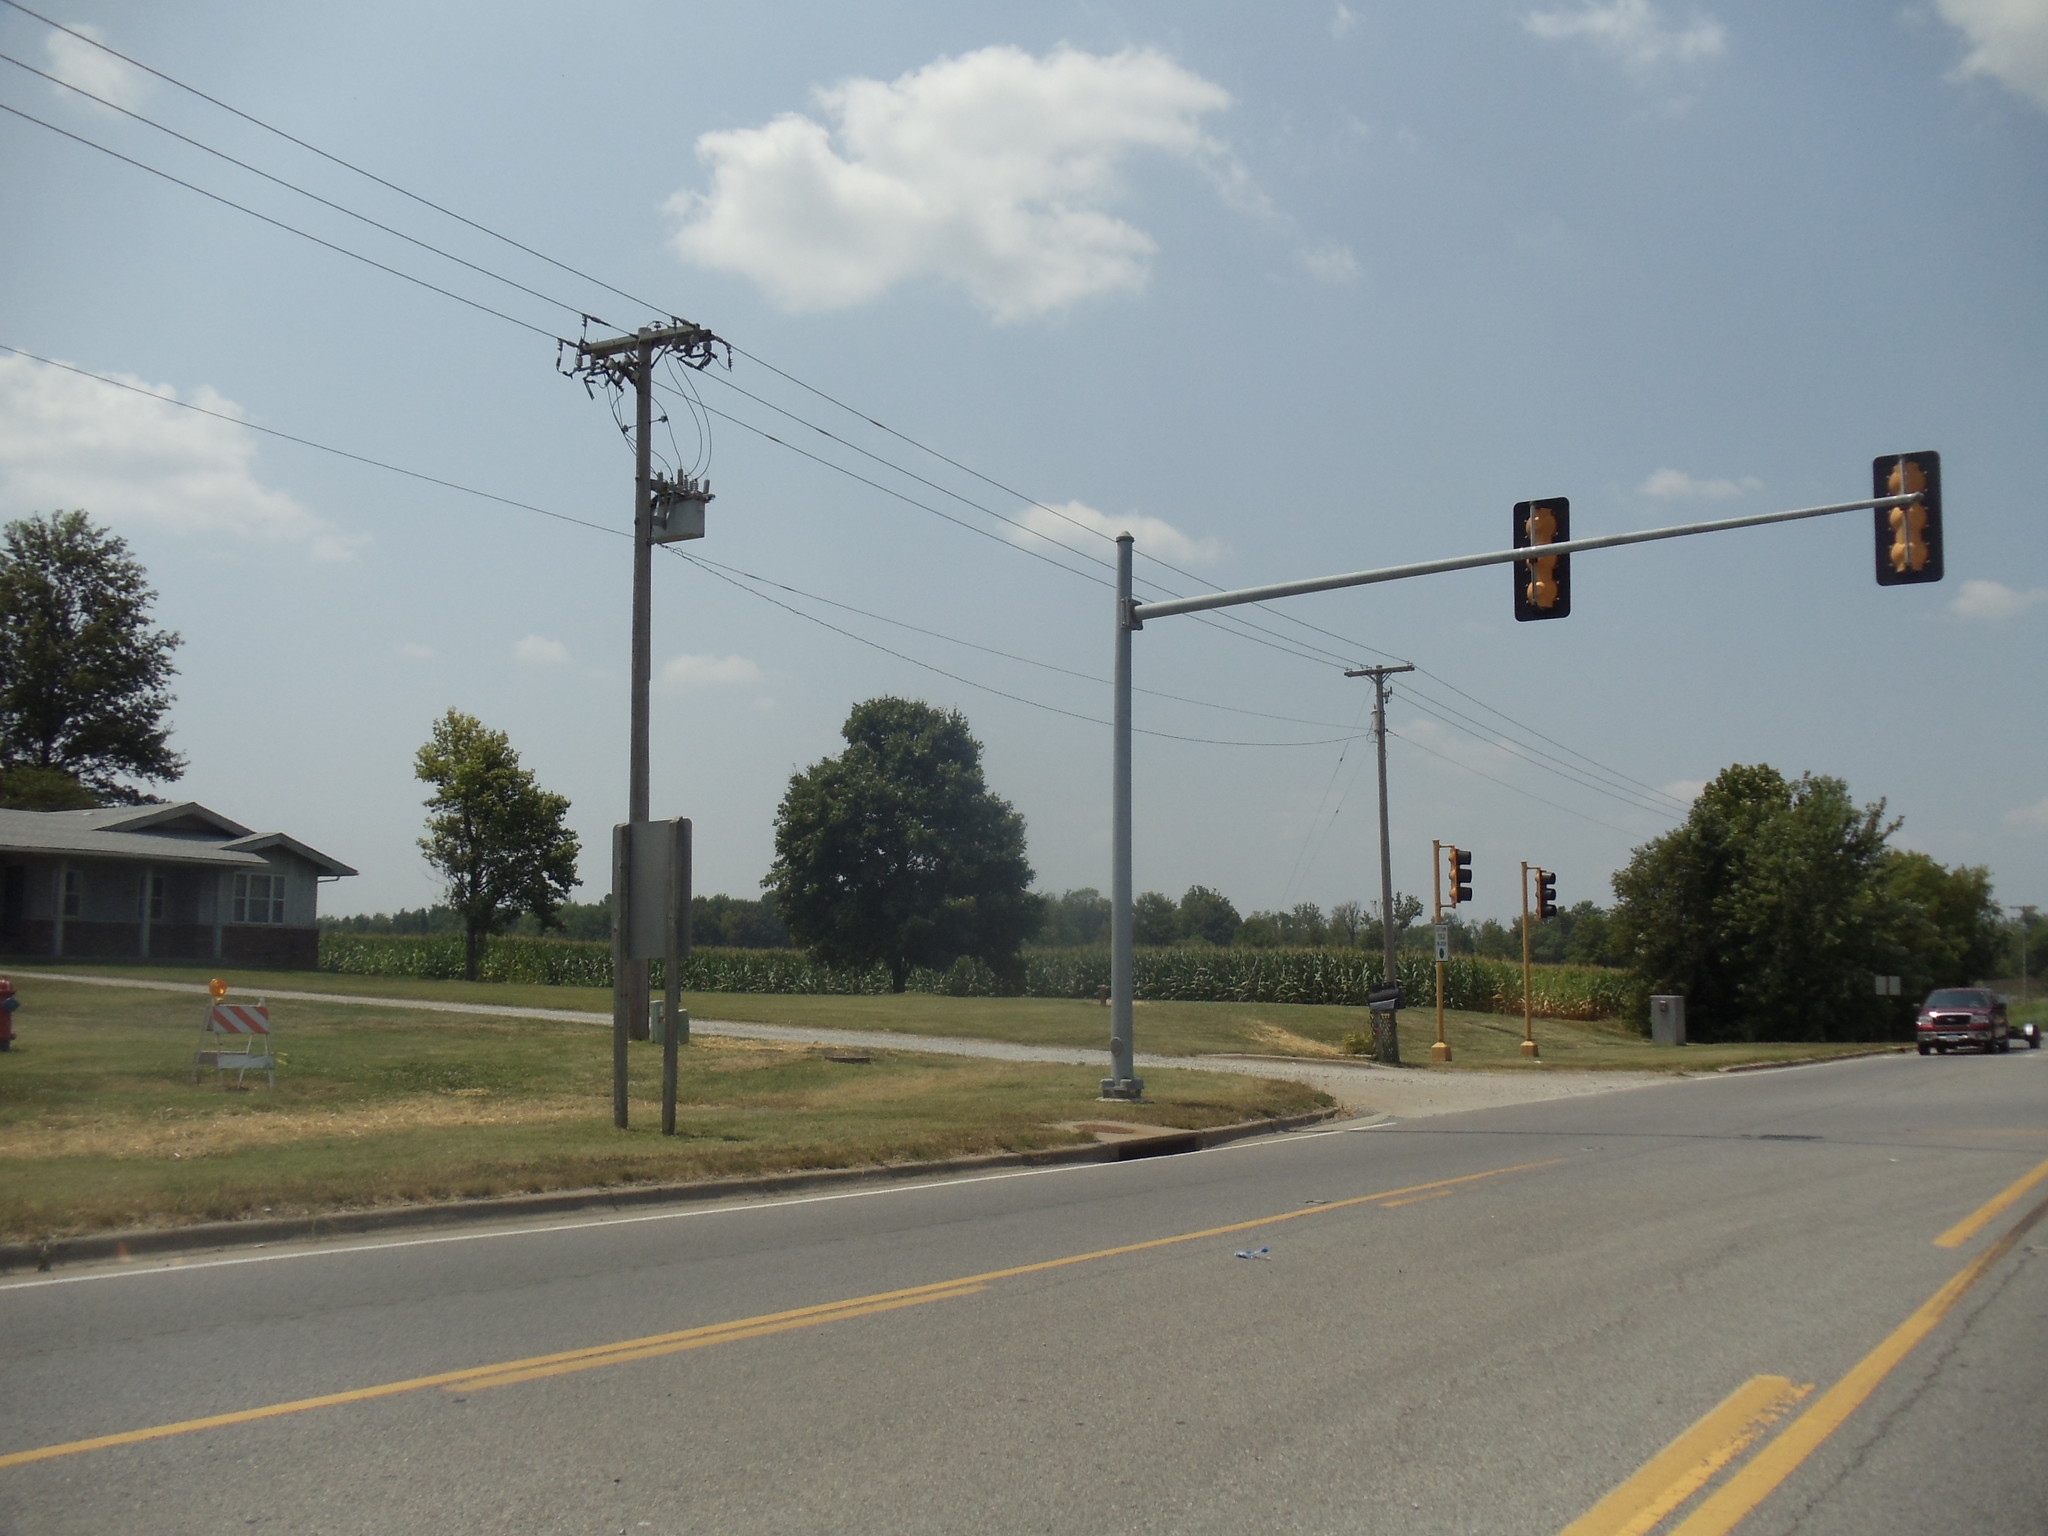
{"points": [[1483, 1322]]}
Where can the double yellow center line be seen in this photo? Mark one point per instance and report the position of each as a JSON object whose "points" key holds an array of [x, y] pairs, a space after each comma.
{"points": [[510, 1372], [1691, 1461]]}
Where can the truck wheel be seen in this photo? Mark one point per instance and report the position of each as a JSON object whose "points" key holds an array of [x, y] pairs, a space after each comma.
{"points": [[1925, 1048]]}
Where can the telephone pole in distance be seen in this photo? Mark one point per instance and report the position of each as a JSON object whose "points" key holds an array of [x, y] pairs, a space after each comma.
{"points": [[1386, 1027]]}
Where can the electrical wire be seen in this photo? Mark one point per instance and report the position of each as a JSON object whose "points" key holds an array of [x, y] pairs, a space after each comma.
{"points": [[291, 186], [1504, 784], [307, 442], [1554, 765], [325, 155], [1232, 624], [228, 202]]}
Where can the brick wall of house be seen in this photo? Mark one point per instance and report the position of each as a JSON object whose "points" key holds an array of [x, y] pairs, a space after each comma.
{"points": [[181, 941], [273, 949], [35, 936], [85, 939]]}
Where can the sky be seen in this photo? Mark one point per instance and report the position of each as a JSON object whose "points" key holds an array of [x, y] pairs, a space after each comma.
{"points": [[1282, 290]]}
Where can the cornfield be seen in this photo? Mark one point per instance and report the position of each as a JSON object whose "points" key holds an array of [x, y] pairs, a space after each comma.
{"points": [[1335, 976]]}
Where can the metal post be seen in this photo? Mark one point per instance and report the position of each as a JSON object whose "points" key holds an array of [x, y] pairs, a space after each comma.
{"points": [[622, 949], [675, 1024], [1528, 1025], [1123, 1081]]}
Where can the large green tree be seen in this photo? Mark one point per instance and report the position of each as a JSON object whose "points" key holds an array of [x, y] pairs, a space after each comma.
{"points": [[84, 675], [1775, 903], [496, 837], [895, 853]]}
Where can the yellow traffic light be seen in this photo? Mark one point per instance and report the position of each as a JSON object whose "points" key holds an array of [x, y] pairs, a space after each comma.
{"points": [[1543, 585], [1909, 536]]}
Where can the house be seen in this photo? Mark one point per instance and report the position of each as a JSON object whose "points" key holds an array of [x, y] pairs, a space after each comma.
{"points": [[158, 882]]}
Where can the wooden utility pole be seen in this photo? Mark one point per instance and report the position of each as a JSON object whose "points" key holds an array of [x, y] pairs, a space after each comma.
{"points": [[1386, 1027]]}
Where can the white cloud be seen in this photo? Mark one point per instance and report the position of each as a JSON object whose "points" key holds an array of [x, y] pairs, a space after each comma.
{"points": [[1633, 32], [1677, 485], [1330, 263], [995, 171], [91, 69], [71, 441], [1687, 790], [541, 651], [412, 650], [1993, 600], [709, 671], [1341, 20], [1155, 536], [2008, 41], [2031, 818]]}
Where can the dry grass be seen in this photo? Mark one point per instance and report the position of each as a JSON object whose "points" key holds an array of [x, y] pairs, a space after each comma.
{"points": [[101, 1126]]}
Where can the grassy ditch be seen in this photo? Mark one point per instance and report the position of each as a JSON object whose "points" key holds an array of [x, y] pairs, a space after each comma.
{"points": [[101, 1127]]}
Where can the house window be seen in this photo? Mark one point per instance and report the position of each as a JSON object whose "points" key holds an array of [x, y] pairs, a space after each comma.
{"points": [[259, 899], [151, 901], [74, 892]]}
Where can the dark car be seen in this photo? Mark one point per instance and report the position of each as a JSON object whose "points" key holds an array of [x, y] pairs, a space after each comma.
{"points": [[1965, 1016]]}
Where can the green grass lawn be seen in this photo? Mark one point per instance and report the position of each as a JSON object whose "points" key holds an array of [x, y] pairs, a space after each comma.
{"points": [[101, 1126], [1484, 1041]]}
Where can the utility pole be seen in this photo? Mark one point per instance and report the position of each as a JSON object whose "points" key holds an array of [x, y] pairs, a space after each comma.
{"points": [[628, 362], [1386, 1027]]}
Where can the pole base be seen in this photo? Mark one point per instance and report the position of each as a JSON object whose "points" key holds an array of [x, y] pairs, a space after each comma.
{"points": [[1130, 1088], [1529, 1049], [1441, 1051]]}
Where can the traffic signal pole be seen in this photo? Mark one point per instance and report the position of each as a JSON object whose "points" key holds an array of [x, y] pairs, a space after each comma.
{"points": [[1441, 1051], [1130, 618]]}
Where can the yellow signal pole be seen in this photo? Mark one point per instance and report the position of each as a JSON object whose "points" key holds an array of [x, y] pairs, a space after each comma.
{"points": [[1441, 1051], [1528, 1025]]}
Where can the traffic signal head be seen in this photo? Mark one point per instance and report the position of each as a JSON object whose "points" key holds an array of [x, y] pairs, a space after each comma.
{"points": [[1543, 585], [1546, 895], [1458, 873], [1908, 537]]}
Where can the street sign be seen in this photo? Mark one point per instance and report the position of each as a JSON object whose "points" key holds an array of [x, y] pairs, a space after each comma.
{"points": [[1887, 986], [1443, 941]]}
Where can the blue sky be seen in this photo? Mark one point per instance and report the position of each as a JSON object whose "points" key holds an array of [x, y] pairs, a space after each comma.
{"points": [[1283, 290]]}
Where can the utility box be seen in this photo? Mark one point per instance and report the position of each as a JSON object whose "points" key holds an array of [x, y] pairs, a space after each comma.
{"points": [[1667, 1021]]}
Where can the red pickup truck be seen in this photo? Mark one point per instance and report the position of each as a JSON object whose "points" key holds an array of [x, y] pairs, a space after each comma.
{"points": [[1975, 1016]]}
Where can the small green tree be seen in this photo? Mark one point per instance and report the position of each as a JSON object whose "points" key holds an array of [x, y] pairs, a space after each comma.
{"points": [[84, 676], [1154, 919], [895, 852], [1208, 916], [495, 835]]}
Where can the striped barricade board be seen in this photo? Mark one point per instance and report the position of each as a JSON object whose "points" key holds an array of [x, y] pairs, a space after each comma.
{"points": [[254, 1048]]}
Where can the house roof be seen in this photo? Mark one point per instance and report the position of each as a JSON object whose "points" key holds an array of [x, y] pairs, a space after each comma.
{"points": [[183, 833]]}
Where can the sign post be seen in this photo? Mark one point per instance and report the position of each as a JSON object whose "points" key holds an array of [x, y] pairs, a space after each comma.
{"points": [[651, 874]]}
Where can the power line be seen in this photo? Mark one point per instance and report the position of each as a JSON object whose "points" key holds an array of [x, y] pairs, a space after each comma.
{"points": [[228, 202], [307, 442], [1542, 760], [291, 186], [325, 155], [1246, 629], [1504, 784]]}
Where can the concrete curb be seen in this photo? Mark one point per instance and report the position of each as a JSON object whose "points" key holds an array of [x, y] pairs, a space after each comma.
{"points": [[1814, 1061], [237, 1234]]}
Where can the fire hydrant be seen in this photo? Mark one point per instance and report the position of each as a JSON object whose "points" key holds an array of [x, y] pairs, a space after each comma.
{"points": [[8, 1003]]}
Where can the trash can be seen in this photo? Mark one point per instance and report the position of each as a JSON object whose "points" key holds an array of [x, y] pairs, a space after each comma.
{"points": [[1667, 1021]]}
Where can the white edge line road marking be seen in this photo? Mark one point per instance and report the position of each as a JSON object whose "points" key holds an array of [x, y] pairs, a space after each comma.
{"points": [[127, 1272]]}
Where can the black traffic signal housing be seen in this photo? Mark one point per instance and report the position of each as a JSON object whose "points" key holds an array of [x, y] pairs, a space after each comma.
{"points": [[1458, 866], [1908, 537], [1543, 586], [1546, 895]]}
